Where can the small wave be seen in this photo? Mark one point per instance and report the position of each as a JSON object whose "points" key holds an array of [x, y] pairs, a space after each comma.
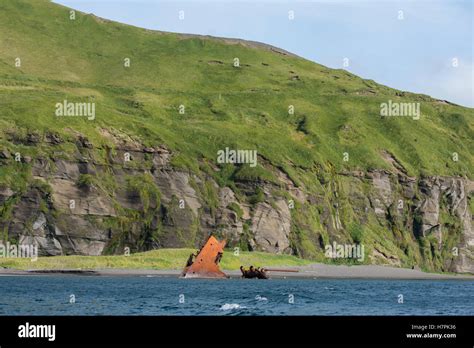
{"points": [[260, 298], [329, 288], [230, 306]]}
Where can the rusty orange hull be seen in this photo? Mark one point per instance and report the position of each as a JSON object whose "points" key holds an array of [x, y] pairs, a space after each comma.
{"points": [[206, 264]]}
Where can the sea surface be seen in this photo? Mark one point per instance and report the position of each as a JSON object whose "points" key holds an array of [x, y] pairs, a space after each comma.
{"points": [[149, 295]]}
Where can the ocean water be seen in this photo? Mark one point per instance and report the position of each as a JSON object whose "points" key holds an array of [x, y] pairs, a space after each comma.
{"points": [[145, 295]]}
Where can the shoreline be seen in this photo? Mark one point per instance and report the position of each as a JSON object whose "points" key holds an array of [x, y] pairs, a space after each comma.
{"points": [[312, 271]]}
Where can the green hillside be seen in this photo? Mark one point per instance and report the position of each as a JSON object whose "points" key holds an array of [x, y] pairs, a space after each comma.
{"points": [[246, 107], [336, 114]]}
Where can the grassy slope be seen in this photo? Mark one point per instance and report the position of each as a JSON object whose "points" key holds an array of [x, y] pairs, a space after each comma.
{"points": [[156, 259], [242, 107]]}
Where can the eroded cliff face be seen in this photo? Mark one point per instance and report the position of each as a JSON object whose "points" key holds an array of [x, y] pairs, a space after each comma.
{"points": [[436, 212], [137, 199]]}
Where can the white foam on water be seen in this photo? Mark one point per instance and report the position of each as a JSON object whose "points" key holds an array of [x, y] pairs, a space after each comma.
{"points": [[230, 306], [260, 298]]}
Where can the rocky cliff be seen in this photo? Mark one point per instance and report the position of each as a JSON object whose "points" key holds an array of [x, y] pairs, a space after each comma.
{"points": [[110, 135], [133, 198]]}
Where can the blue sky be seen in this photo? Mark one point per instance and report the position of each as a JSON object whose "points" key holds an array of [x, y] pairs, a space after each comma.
{"points": [[415, 53]]}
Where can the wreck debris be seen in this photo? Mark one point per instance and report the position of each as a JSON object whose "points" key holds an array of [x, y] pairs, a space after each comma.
{"points": [[205, 263]]}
